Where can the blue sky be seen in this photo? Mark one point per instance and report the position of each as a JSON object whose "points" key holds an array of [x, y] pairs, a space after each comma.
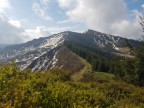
{"points": [[24, 20]]}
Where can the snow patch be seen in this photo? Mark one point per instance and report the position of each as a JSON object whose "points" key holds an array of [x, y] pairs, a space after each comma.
{"points": [[16, 60], [116, 48], [95, 40], [53, 41], [54, 60]]}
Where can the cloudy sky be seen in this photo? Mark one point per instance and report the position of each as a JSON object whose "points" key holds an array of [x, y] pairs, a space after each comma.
{"points": [[24, 20]]}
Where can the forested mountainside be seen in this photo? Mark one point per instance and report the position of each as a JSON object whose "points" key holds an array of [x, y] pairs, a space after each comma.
{"points": [[128, 69]]}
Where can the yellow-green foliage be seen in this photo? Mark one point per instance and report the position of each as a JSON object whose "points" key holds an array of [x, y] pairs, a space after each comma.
{"points": [[55, 89]]}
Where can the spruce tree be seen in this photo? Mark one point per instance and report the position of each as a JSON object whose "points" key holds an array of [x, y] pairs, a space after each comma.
{"points": [[140, 57]]}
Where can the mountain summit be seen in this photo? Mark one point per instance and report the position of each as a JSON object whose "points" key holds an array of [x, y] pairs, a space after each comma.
{"points": [[48, 52]]}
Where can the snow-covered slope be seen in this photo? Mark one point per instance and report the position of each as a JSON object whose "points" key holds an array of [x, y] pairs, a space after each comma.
{"points": [[100, 40], [43, 53], [26, 53]]}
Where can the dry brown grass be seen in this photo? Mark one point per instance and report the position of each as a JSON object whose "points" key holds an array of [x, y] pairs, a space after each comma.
{"points": [[69, 61]]}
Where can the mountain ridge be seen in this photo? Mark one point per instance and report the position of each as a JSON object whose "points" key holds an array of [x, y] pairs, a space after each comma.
{"points": [[26, 54]]}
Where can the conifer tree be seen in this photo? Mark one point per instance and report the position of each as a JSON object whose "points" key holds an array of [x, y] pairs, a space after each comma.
{"points": [[140, 56]]}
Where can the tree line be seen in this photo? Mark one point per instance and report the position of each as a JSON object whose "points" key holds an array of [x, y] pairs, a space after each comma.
{"points": [[130, 70]]}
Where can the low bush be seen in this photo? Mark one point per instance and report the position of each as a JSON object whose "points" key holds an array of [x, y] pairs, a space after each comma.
{"points": [[55, 89]]}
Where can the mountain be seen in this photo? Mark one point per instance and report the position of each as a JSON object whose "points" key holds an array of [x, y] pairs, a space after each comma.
{"points": [[48, 52], [3, 46]]}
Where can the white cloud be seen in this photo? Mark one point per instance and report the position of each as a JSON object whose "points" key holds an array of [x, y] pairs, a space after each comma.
{"points": [[142, 5], [37, 8], [42, 31], [12, 32], [39, 31], [8, 33], [15, 23], [127, 28], [109, 16], [67, 3], [64, 21], [3, 5], [10, 29], [132, 28], [55, 30], [2, 18], [45, 2]]}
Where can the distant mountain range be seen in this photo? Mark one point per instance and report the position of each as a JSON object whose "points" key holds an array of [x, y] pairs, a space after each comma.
{"points": [[48, 52], [3, 46]]}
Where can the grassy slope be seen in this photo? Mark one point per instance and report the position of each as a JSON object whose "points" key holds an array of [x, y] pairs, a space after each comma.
{"points": [[79, 75], [96, 75], [124, 52], [55, 89], [68, 60], [103, 76], [125, 55]]}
